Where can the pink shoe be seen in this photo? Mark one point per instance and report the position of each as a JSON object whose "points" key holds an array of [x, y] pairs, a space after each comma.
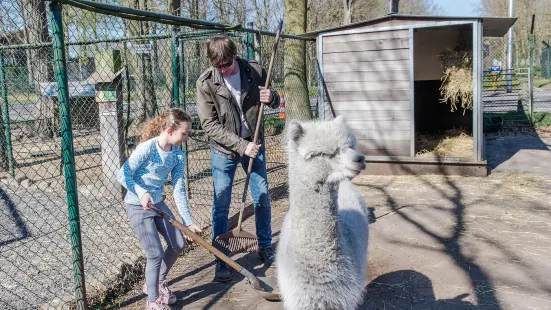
{"points": [[157, 305], [165, 294]]}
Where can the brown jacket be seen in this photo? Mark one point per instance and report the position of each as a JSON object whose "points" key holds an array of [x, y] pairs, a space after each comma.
{"points": [[219, 112]]}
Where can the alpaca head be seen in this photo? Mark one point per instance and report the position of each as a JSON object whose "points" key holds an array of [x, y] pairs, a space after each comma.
{"points": [[324, 151]]}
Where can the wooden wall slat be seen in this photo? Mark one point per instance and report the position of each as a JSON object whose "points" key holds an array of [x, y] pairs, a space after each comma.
{"points": [[366, 66], [374, 95], [382, 152], [361, 126], [366, 76], [369, 116], [371, 105], [366, 56], [382, 136], [373, 85], [371, 144], [381, 35], [369, 45]]}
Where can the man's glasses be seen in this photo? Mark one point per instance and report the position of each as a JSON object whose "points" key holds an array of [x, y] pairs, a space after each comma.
{"points": [[226, 65]]}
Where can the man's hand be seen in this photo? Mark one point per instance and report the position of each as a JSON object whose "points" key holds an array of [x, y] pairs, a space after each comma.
{"points": [[265, 95], [252, 150], [194, 229], [146, 200]]}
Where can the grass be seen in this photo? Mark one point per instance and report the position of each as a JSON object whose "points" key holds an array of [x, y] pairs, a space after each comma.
{"points": [[22, 98], [541, 82], [541, 119], [273, 125]]}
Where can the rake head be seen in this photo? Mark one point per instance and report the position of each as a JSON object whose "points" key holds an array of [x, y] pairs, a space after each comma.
{"points": [[237, 241]]}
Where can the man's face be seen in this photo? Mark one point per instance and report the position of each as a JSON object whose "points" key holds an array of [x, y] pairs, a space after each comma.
{"points": [[226, 67]]}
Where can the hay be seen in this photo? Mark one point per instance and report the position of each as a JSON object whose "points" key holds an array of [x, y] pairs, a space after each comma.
{"points": [[457, 79], [452, 143]]}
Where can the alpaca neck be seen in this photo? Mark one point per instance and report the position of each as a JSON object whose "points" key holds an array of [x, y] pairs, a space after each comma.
{"points": [[314, 212]]}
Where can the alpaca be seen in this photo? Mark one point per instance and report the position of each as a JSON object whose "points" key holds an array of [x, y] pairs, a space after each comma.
{"points": [[322, 253]]}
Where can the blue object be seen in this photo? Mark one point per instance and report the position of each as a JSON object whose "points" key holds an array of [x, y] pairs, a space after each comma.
{"points": [[223, 172], [147, 169]]}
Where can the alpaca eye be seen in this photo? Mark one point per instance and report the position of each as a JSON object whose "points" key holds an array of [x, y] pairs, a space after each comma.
{"points": [[320, 154], [313, 154]]}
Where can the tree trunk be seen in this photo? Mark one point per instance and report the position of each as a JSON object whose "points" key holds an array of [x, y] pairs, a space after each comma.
{"points": [[23, 15], [297, 102], [47, 112], [347, 10], [147, 99]]}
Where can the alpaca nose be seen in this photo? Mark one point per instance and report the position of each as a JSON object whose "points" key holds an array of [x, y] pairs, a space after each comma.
{"points": [[359, 157]]}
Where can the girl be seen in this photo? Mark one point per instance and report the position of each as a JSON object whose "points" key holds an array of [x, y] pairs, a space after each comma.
{"points": [[144, 175]]}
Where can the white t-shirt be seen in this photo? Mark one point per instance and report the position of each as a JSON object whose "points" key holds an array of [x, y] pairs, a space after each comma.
{"points": [[233, 82]]}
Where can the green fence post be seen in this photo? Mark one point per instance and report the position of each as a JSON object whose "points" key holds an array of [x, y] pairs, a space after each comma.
{"points": [[68, 154], [531, 77], [250, 42], [7, 152], [182, 81], [175, 68]]}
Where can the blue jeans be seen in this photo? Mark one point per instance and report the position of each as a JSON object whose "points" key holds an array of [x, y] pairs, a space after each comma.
{"points": [[223, 172]]}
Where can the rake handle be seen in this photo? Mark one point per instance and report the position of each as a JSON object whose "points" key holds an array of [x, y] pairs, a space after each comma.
{"points": [[259, 121], [201, 242]]}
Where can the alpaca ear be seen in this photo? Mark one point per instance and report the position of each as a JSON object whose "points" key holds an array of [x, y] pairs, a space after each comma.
{"points": [[295, 130], [340, 120]]}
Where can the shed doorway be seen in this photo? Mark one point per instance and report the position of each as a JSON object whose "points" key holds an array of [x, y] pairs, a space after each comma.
{"points": [[443, 130]]}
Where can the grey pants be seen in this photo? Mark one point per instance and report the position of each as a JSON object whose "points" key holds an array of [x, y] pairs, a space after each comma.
{"points": [[148, 225]]}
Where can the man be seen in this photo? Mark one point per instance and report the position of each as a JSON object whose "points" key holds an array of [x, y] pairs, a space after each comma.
{"points": [[229, 95]]}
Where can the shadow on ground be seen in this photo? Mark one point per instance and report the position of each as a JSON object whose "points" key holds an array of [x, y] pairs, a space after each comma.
{"points": [[408, 289]]}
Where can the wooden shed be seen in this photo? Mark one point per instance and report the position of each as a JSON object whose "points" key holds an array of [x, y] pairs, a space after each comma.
{"points": [[384, 76]]}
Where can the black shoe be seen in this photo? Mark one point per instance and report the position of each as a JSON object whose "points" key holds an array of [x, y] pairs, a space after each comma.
{"points": [[267, 256], [223, 272]]}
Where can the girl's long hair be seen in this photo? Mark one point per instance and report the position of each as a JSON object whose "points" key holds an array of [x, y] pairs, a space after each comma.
{"points": [[171, 118]]}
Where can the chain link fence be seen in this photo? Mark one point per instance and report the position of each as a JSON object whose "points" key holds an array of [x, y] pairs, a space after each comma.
{"points": [[518, 93], [58, 181]]}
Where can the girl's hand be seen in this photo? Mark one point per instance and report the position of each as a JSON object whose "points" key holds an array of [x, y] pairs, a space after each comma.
{"points": [[194, 229], [146, 200]]}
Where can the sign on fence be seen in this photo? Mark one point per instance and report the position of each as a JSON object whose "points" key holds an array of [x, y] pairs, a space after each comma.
{"points": [[140, 48]]}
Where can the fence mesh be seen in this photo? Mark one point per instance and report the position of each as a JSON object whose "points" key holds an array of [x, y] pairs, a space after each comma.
{"points": [[108, 58], [546, 63], [513, 93]]}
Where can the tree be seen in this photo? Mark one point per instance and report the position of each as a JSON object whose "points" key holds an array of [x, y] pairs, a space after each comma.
{"points": [[297, 102], [47, 122], [331, 13], [347, 9], [523, 10], [143, 73]]}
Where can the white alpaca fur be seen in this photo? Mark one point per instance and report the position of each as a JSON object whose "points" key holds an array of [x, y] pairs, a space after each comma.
{"points": [[322, 252]]}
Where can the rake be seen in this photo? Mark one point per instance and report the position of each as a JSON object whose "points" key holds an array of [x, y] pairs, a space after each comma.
{"points": [[261, 288], [239, 240]]}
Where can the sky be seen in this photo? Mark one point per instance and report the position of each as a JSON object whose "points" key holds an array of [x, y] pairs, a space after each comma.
{"points": [[460, 7]]}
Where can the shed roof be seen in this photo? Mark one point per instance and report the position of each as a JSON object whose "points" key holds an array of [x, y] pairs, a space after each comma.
{"points": [[492, 26]]}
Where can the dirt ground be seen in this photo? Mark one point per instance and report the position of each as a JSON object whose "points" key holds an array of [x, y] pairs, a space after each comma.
{"points": [[436, 242]]}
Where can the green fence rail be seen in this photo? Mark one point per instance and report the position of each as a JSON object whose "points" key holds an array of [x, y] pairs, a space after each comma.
{"points": [[78, 81]]}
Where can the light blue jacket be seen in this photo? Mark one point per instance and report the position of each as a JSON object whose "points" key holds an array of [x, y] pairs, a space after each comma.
{"points": [[147, 169]]}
